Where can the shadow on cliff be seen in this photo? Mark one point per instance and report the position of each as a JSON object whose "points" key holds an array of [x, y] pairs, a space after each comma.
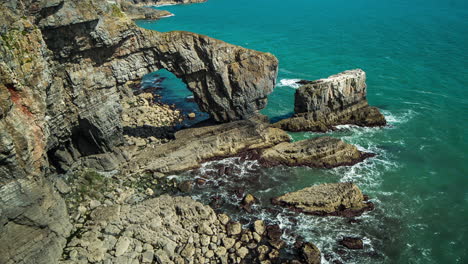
{"points": [[145, 131]]}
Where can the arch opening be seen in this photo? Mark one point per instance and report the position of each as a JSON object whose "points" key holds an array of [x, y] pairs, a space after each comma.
{"points": [[170, 90]]}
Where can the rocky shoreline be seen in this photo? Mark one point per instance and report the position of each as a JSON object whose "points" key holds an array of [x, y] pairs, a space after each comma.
{"points": [[84, 158]]}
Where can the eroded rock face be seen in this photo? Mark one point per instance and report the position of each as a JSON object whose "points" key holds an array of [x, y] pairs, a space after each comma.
{"points": [[321, 152], [341, 199], [34, 222], [64, 68], [228, 82], [338, 99], [195, 145]]}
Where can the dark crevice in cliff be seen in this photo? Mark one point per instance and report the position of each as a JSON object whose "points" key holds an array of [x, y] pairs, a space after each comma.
{"points": [[48, 11], [87, 138], [67, 40]]}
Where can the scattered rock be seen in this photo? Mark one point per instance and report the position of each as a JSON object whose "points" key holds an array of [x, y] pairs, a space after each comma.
{"points": [[242, 252], [186, 186], [130, 231], [192, 115], [248, 199], [247, 202], [149, 192], [310, 253], [274, 232], [234, 228], [62, 187], [122, 246], [224, 219], [259, 227], [94, 204]]}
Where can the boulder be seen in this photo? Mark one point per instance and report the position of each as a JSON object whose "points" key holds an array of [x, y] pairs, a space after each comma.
{"points": [[352, 242], [310, 253], [338, 199], [339, 99], [320, 152]]}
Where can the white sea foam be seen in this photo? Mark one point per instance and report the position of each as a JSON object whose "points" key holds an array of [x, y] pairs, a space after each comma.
{"points": [[163, 5], [400, 118], [289, 83]]}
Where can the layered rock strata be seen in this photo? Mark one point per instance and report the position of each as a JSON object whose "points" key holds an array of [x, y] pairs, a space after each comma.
{"points": [[195, 145], [64, 68], [339, 199], [137, 12], [339, 99], [320, 152]]}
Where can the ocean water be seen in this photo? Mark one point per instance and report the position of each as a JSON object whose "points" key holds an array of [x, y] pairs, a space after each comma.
{"points": [[415, 54]]}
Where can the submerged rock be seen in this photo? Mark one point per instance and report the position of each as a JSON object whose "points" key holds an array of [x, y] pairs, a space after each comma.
{"points": [[320, 152], [337, 100], [352, 243], [338, 199]]}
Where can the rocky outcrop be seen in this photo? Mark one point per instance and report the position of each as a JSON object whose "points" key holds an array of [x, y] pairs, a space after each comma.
{"points": [[320, 152], [164, 2], [195, 145], [339, 199], [337, 100], [136, 12]]}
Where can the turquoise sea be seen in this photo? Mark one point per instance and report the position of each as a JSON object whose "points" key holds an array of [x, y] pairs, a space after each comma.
{"points": [[415, 54]]}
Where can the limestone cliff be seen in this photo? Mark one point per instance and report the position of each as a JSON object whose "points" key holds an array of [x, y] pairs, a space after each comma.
{"points": [[64, 68]]}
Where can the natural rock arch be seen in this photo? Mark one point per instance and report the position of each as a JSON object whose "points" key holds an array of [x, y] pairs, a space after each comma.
{"points": [[228, 82]]}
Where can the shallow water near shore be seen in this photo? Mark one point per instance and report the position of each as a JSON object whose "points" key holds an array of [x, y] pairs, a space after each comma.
{"points": [[415, 54]]}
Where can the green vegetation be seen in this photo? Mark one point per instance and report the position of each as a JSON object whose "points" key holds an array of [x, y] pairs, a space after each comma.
{"points": [[91, 183], [116, 12]]}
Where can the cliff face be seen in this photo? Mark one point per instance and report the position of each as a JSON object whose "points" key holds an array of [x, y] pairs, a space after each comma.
{"points": [[64, 67]]}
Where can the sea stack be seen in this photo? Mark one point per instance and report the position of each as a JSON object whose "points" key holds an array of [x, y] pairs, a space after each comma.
{"points": [[337, 100]]}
